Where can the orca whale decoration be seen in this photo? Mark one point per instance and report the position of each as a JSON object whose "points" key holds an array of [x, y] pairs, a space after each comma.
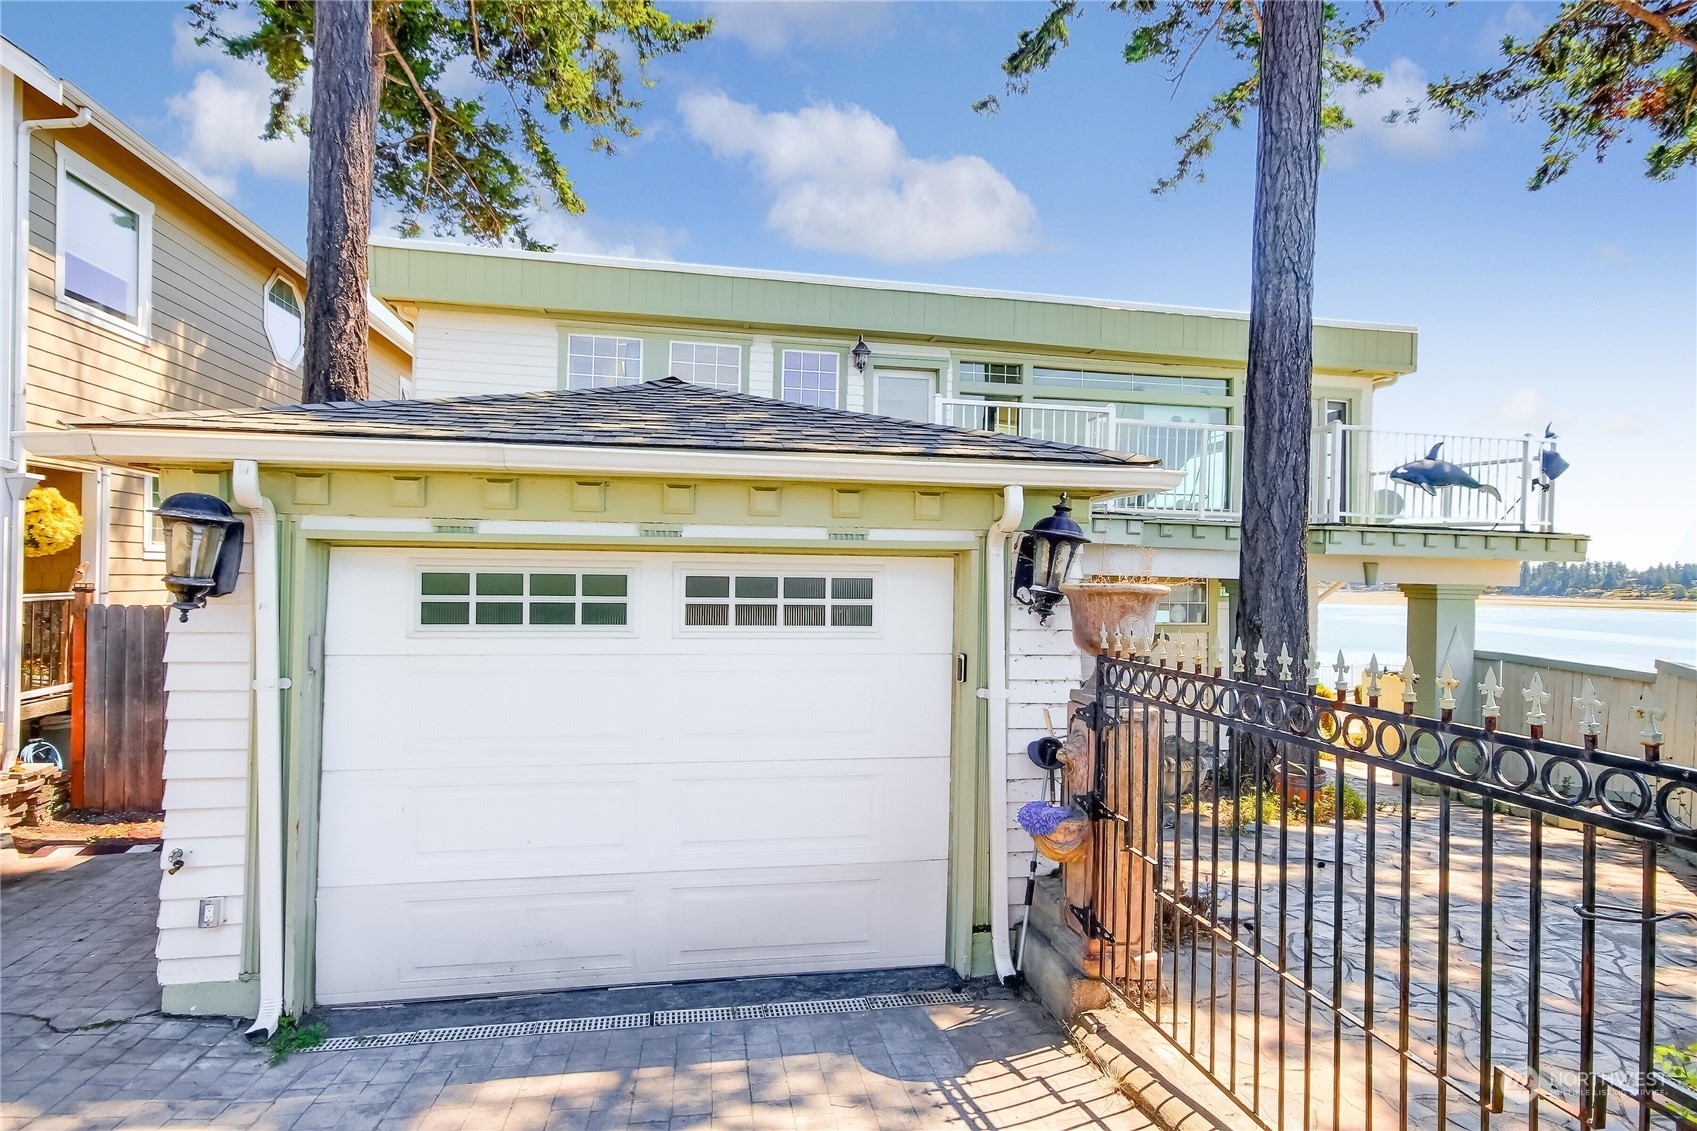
{"points": [[1431, 473], [1549, 460]]}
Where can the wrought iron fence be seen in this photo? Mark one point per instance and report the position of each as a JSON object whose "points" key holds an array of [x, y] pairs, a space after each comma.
{"points": [[1352, 916], [46, 642]]}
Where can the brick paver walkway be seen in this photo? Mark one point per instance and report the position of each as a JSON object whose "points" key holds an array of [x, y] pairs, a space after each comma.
{"points": [[990, 1064]]}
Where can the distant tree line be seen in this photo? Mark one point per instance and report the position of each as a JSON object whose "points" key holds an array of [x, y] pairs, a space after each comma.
{"points": [[1607, 579]]}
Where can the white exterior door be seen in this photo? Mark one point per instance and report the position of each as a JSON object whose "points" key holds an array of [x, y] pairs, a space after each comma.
{"points": [[904, 392], [550, 769]]}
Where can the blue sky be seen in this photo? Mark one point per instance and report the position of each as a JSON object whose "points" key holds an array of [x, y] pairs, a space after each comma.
{"points": [[838, 138]]}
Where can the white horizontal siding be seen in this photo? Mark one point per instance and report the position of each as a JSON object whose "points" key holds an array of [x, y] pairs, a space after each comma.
{"points": [[1043, 669], [458, 354], [208, 681]]}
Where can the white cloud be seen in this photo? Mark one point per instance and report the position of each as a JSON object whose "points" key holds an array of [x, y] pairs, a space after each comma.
{"points": [[1526, 410], [841, 180], [773, 28], [1427, 134], [221, 117]]}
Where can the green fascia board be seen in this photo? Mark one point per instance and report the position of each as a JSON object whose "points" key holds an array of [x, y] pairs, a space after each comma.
{"points": [[480, 278], [1428, 542]]}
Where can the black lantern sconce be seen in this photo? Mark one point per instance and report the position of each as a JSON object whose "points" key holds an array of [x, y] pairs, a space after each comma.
{"points": [[1047, 553], [203, 549], [859, 354]]}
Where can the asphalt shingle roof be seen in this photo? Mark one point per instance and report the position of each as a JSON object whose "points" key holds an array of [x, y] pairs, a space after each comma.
{"points": [[669, 413]]}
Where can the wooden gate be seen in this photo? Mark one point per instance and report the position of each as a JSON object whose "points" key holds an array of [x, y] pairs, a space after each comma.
{"points": [[118, 707]]}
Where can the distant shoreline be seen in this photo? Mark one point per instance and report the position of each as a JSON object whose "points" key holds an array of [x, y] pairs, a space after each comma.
{"points": [[1363, 597]]}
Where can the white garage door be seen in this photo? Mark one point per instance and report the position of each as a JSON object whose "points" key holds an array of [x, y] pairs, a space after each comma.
{"points": [[564, 769]]}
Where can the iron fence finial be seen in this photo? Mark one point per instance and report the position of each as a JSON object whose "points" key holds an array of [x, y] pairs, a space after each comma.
{"points": [[1490, 689], [1652, 715], [1260, 660], [1536, 700], [1374, 671], [1313, 665], [1341, 668], [1238, 653], [1590, 709], [1447, 683], [1409, 678], [1285, 660]]}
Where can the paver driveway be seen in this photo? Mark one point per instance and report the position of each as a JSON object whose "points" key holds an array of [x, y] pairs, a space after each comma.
{"points": [[81, 1057]]}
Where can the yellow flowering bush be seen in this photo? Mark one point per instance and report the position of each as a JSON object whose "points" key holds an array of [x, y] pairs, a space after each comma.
{"points": [[51, 522]]}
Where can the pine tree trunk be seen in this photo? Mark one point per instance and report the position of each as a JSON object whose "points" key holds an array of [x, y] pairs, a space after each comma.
{"points": [[1273, 585], [338, 211]]}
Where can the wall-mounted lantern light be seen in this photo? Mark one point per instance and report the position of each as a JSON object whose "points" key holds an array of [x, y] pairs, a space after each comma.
{"points": [[1047, 553], [203, 549], [860, 353]]}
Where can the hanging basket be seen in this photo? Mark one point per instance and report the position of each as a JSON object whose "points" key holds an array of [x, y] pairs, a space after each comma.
{"points": [[52, 523], [1060, 832]]}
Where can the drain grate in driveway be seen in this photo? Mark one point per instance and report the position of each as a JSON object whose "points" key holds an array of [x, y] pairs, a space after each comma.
{"points": [[644, 1020]]}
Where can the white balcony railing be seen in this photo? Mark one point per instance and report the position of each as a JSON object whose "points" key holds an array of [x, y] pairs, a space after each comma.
{"points": [[1208, 454], [1351, 465], [1091, 425], [1352, 480]]}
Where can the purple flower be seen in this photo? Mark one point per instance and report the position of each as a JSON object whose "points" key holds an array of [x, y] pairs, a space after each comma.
{"points": [[1039, 818]]}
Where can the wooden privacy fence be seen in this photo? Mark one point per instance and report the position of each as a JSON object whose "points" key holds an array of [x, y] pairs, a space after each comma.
{"points": [[117, 706]]}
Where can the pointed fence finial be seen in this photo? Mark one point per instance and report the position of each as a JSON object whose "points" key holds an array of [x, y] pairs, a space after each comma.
{"points": [[1652, 715], [1590, 709], [1238, 653], [1490, 689], [1447, 683], [1409, 679], [1160, 653], [1119, 642], [1285, 661], [1104, 629], [1181, 652], [1341, 668], [1260, 660], [1374, 671], [1313, 666], [1536, 700]]}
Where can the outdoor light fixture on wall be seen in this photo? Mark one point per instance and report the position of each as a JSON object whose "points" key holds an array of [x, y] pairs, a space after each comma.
{"points": [[860, 353], [203, 549], [1047, 553]]}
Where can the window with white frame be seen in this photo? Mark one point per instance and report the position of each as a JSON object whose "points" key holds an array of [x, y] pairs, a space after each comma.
{"points": [[104, 237], [725, 600], [810, 377], [706, 363], [595, 361], [548, 599], [1185, 603], [285, 323], [152, 526]]}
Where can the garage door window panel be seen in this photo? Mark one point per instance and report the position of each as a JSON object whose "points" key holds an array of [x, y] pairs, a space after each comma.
{"points": [[516, 599], [779, 602]]}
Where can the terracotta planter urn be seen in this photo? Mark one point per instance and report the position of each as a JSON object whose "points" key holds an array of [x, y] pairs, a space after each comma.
{"points": [[1103, 609]]}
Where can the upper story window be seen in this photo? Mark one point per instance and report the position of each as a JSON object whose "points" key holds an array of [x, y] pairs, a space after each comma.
{"points": [[706, 363], [1131, 382], [810, 378], [104, 237], [1187, 603], [991, 372], [285, 323], [595, 361]]}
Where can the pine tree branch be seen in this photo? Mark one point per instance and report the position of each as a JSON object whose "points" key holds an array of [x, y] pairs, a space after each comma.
{"points": [[1655, 20]]}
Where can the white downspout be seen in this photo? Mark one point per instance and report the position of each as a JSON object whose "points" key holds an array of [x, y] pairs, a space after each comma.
{"points": [[268, 742], [16, 409], [996, 697]]}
